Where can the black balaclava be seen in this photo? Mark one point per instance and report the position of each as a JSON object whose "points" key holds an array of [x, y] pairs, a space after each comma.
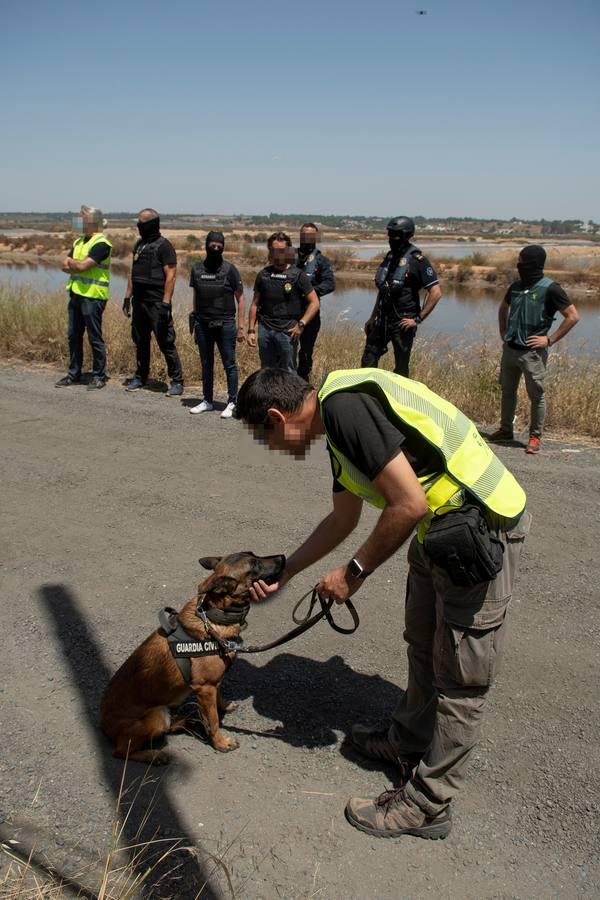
{"points": [[531, 264], [150, 230], [214, 258], [398, 241]]}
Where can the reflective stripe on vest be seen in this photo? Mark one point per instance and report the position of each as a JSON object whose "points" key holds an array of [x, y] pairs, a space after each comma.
{"points": [[468, 461], [527, 313], [94, 282]]}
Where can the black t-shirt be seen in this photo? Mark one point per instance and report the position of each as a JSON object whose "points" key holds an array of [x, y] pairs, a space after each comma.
{"points": [[554, 301], [360, 428], [166, 256], [302, 284], [403, 297]]}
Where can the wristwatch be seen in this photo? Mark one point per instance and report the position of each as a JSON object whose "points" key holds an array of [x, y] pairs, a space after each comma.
{"points": [[418, 320], [356, 570], [301, 325]]}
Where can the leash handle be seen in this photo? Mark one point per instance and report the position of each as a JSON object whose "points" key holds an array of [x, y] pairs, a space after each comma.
{"points": [[326, 607]]}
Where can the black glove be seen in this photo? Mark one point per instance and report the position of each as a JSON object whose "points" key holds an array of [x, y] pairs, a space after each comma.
{"points": [[192, 321], [127, 306]]}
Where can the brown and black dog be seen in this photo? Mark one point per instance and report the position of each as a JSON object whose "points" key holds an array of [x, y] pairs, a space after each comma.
{"points": [[135, 706]]}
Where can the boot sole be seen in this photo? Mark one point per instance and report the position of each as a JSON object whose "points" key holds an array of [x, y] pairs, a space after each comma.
{"points": [[429, 832]]}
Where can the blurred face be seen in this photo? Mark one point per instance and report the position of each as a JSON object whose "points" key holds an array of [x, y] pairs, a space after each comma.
{"points": [[281, 255], [308, 237], [290, 433], [216, 246]]}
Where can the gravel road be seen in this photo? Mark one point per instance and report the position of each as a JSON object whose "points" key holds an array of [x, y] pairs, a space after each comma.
{"points": [[108, 500]]}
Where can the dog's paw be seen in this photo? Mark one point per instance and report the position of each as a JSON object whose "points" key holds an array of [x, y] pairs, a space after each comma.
{"points": [[225, 744], [229, 706], [159, 758]]}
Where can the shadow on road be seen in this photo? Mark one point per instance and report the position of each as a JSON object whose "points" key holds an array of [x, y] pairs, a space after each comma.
{"points": [[312, 700], [151, 815]]}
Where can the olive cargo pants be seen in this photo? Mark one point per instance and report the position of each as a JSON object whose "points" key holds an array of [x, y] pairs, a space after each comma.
{"points": [[455, 637], [531, 364]]}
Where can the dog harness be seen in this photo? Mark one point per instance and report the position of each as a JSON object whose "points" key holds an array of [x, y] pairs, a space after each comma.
{"points": [[185, 647]]}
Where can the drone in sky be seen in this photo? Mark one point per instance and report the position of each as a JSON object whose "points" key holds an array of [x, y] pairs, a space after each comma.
{"points": [[421, 12]]}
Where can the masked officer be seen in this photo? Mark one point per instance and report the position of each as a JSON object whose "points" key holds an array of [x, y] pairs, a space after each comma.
{"points": [[284, 302], [525, 317], [150, 291], [218, 289], [318, 268], [424, 466], [397, 311], [88, 267]]}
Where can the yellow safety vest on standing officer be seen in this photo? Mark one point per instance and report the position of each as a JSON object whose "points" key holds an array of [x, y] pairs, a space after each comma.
{"points": [[93, 283]]}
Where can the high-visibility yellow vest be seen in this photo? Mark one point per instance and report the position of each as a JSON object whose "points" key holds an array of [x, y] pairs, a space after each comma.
{"points": [[93, 283], [466, 461]]}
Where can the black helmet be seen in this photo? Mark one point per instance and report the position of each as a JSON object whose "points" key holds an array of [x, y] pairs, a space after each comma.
{"points": [[401, 225]]}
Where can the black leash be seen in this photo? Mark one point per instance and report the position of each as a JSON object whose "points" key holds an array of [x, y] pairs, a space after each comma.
{"points": [[303, 624]]}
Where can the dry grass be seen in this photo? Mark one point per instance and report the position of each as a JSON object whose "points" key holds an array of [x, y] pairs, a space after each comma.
{"points": [[33, 329], [128, 868]]}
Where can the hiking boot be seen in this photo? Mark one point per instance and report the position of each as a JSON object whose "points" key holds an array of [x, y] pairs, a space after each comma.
{"points": [[228, 411], [205, 406], [136, 384], [500, 436], [393, 814], [67, 381], [175, 389], [375, 743], [534, 445], [96, 383]]}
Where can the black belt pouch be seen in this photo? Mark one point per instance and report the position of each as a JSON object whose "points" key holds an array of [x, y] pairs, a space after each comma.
{"points": [[460, 543]]}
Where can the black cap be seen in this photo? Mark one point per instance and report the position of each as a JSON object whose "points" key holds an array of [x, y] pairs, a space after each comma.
{"points": [[401, 225], [216, 236]]}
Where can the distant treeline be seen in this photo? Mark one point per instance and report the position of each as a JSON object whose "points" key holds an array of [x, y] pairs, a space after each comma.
{"points": [[57, 221]]}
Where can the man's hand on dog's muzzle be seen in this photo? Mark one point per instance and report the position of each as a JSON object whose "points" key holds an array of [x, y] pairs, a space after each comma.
{"points": [[260, 590]]}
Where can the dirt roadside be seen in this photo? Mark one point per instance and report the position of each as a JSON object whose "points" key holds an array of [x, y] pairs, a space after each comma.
{"points": [[108, 501]]}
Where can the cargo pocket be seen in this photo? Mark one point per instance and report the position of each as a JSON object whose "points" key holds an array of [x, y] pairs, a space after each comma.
{"points": [[469, 657]]}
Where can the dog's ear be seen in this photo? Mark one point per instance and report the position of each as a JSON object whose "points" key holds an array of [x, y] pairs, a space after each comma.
{"points": [[222, 585], [210, 562]]}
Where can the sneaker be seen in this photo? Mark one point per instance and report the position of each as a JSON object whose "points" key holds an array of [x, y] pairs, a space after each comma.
{"points": [[96, 383], [374, 743], [67, 381], [228, 411], [136, 384], [501, 435], [175, 389], [534, 445], [205, 406], [393, 814]]}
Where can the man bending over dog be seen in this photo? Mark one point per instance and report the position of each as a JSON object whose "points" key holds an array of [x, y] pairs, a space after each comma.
{"points": [[405, 450]]}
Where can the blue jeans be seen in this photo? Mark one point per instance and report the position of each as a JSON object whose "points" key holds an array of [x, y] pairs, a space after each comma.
{"points": [[224, 336], [276, 349], [86, 314]]}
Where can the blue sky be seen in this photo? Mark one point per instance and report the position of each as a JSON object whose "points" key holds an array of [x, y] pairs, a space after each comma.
{"points": [[477, 108]]}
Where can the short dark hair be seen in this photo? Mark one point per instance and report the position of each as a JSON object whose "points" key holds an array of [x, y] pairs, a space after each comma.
{"points": [[269, 388], [279, 236], [309, 225]]}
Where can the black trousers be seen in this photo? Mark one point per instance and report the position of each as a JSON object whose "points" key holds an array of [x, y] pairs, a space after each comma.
{"points": [[86, 315], [377, 344], [154, 317], [307, 344]]}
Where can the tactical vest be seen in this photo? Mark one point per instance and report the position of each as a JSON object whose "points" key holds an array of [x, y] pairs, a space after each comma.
{"points": [[527, 313], [147, 267], [280, 296], [401, 296], [310, 265], [213, 296], [466, 461], [94, 282]]}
